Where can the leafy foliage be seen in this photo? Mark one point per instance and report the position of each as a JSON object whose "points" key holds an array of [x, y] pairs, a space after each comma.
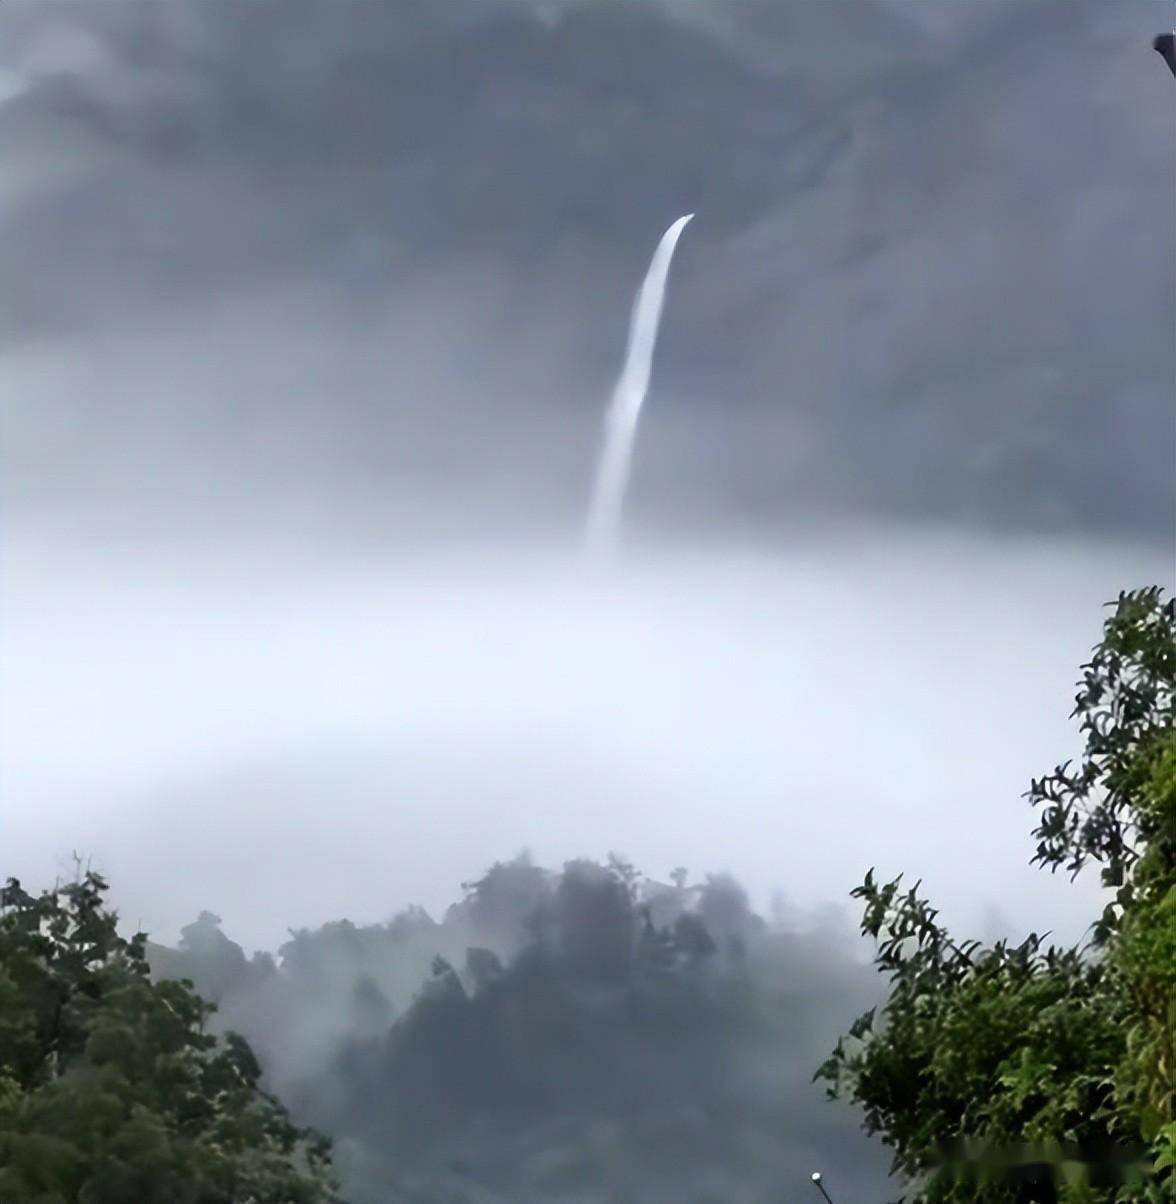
{"points": [[111, 1087], [1029, 1073], [1103, 810]]}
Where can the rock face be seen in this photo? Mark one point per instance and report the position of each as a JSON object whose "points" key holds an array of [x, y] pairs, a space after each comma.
{"points": [[930, 270]]}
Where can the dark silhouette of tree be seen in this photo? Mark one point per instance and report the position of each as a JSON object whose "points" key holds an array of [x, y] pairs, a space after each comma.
{"points": [[559, 1034], [596, 922]]}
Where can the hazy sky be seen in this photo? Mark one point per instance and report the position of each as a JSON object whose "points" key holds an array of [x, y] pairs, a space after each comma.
{"points": [[308, 315]]}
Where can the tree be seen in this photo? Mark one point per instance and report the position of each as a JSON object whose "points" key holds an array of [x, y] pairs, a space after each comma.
{"points": [[1032, 1073], [111, 1090]]}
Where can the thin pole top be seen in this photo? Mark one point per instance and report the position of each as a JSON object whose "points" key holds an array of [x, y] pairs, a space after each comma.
{"points": [[1165, 45]]}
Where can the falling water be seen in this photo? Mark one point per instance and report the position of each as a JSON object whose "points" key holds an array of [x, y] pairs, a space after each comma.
{"points": [[624, 409]]}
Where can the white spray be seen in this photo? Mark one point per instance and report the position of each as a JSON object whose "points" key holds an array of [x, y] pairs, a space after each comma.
{"points": [[612, 474]]}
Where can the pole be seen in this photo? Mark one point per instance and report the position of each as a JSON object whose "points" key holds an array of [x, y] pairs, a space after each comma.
{"points": [[816, 1177], [1165, 46]]}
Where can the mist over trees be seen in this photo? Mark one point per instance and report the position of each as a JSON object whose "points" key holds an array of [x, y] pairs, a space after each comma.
{"points": [[585, 1034]]}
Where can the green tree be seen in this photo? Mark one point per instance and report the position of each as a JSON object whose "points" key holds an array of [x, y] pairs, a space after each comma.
{"points": [[112, 1090], [1031, 1073]]}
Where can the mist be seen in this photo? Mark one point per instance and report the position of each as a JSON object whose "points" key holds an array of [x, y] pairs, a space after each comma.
{"points": [[387, 723]]}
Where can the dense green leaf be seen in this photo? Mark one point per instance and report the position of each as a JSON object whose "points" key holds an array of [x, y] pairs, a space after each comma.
{"points": [[1030, 1073], [112, 1090]]}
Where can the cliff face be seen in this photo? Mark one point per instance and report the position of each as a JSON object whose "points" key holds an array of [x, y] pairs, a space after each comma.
{"points": [[929, 272]]}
